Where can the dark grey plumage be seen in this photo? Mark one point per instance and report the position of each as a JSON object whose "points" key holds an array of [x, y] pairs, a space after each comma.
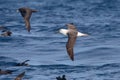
{"points": [[72, 35], [61, 78], [20, 76], [26, 14], [5, 31]]}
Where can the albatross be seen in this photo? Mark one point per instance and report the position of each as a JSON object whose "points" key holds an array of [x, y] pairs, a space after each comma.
{"points": [[26, 14], [72, 34]]}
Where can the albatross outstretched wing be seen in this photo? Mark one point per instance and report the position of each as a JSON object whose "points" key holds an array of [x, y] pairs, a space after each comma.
{"points": [[70, 44]]}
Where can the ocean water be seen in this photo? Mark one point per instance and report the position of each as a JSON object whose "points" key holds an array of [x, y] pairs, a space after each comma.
{"points": [[97, 56]]}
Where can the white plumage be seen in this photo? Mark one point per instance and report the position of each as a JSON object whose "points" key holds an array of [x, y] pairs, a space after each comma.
{"points": [[65, 31]]}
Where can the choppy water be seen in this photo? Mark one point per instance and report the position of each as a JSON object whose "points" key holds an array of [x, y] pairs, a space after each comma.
{"points": [[97, 57]]}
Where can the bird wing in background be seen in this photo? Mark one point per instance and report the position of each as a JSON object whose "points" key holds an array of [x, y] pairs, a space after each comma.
{"points": [[19, 77]]}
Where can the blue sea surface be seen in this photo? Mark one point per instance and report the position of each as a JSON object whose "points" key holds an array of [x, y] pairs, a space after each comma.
{"points": [[97, 56]]}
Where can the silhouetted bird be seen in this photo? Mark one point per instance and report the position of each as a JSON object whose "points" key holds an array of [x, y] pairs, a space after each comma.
{"points": [[6, 33], [63, 77], [59, 78], [23, 63]]}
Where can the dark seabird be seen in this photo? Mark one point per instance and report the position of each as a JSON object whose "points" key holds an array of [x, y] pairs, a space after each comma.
{"points": [[72, 35], [6, 33], [5, 72], [61, 78], [20, 76], [23, 63], [26, 14]]}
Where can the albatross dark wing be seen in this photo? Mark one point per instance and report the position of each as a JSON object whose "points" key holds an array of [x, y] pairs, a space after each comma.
{"points": [[72, 35], [27, 19], [27, 24]]}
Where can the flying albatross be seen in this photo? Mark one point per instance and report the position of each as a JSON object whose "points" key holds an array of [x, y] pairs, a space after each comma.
{"points": [[26, 14], [72, 35]]}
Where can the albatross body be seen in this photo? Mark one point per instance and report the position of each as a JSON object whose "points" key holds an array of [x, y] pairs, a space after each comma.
{"points": [[72, 34]]}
